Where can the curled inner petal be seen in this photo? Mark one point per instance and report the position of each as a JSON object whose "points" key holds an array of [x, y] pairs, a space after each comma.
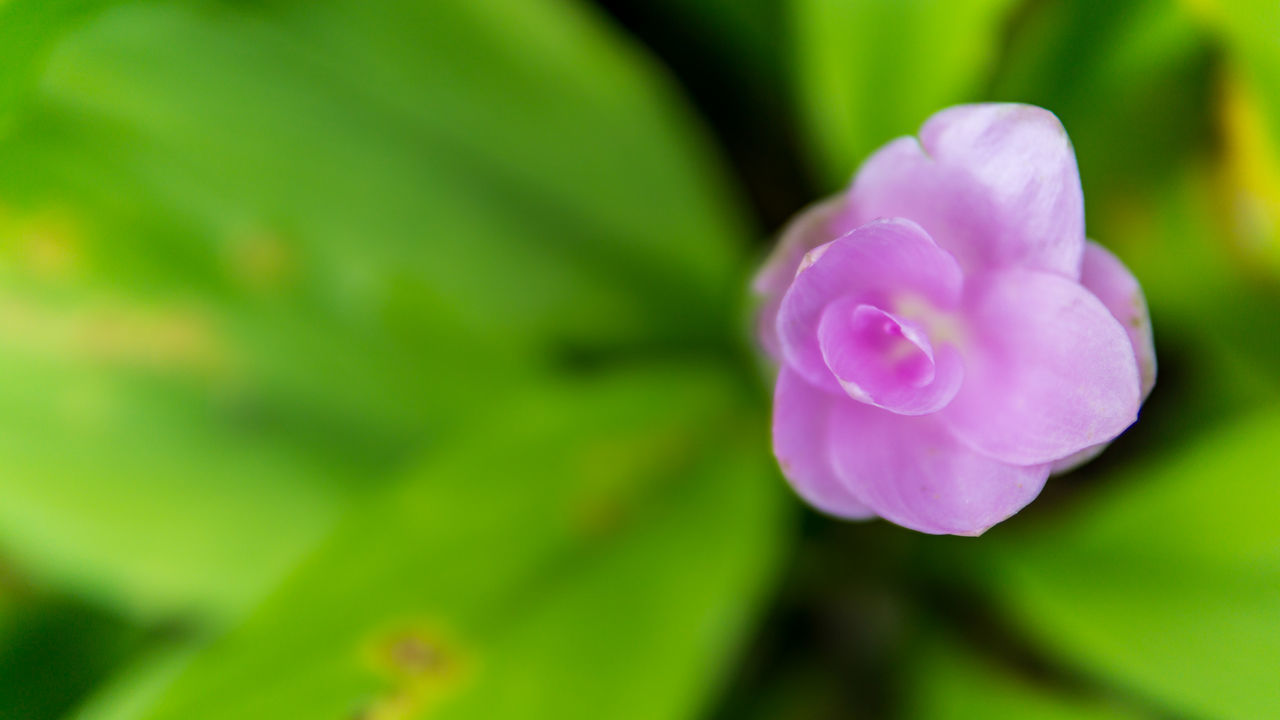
{"points": [[884, 360], [874, 264], [867, 347]]}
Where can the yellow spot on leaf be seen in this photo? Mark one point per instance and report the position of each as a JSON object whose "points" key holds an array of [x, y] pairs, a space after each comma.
{"points": [[112, 332], [421, 665], [1251, 175], [262, 260], [46, 245]]}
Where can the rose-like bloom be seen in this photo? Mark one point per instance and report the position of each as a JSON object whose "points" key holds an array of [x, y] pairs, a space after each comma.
{"points": [[946, 336]]}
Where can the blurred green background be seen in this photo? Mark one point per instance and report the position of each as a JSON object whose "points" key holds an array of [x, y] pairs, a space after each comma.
{"points": [[377, 360]]}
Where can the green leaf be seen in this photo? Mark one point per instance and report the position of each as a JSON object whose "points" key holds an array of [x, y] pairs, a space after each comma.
{"points": [[948, 681], [560, 172], [873, 70], [1249, 122], [30, 29], [1149, 63], [136, 686], [254, 257], [53, 651], [1167, 584], [620, 529]]}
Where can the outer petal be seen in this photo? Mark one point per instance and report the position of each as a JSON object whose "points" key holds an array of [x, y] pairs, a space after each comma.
{"points": [[1106, 277], [994, 184], [801, 414], [911, 471], [811, 228], [1048, 370], [875, 263]]}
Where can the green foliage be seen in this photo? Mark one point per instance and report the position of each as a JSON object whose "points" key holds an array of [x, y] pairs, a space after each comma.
{"points": [[873, 70], [951, 682], [1146, 61], [54, 650], [292, 243], [629, 551], [1167, 583], [1250, 115], [30, 30], [138, 684]]}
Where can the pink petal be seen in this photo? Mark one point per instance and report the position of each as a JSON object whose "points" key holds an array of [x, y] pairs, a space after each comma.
{"points": [[996, 185], [1048, 370], [809, 229], [801, 414], [1075, 460], [1106, 277], [884, 360], [878, 264], [911, 471]]}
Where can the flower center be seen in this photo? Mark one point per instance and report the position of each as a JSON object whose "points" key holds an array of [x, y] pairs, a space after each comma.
{"points": [[874, 353]]}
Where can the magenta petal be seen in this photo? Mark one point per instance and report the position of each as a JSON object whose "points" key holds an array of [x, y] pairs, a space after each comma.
{"points": [[801, 414], [811, 228], [946, 336], [1075, 460], [881, 359], [996, 185], [1106, 277], [876, 264], [911, 471], [1048, 370]]}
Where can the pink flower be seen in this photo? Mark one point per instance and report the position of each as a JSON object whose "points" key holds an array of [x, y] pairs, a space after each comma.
{"points": [[946, 335]]}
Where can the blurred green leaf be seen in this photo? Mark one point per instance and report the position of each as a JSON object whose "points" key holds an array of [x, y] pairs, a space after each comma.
{"points": [[136, 686], [30, 29], [1215, 366], [950, 682], [1167, 584], [1250, 28], [873, 70], [53, 651], [516, 162], [620, 529], [255, 256], [196, 515], [1249, 122], [1145, 61]]}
